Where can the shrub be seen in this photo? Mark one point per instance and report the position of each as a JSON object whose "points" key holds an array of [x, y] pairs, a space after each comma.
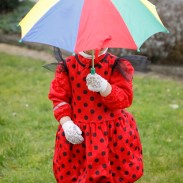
{"points": [[8, 5]]}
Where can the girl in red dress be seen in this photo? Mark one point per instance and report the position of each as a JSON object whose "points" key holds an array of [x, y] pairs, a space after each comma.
{"points": [[97, 140]]}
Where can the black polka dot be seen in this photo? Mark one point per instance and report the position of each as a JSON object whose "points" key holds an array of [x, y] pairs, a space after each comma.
{"points": [[64, 154], [86, 117], [69, 160], [126, 172], [78, 85], [97, 172], [127, 141], [117, 124], [120, 179], [92, 111], [118, 168], [111, 114], [92, 98], [124, 161], [94, 134], [84, 79], [78, 72], [105, 72], [120, 137], [78, 98], [122, 149], [113, 174], [105, 133], [87, 133], [79, 110], [130, 133], [130, 164], [74, 179], [68, 173], [116, 156], [115, 144], [78, 151], [63, 166], [104, 166], [134, 176], [102, 140], [99, 117], [90, 154], [105, 109], [72, 78], [63, 134], [96, 147], [137, 168], [99, 66], [90, 166], [99, 104], [99, 127], [85, 91], [73, 66], [96, 160], [85, 105], [103, 153], [111, 163], [91, 179]]}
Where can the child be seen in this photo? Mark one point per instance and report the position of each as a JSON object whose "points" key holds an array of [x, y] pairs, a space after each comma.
{"points": [[97, 140]]}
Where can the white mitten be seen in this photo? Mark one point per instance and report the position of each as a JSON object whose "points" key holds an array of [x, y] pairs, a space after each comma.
{"points": [[96, 83], [72, 132]]}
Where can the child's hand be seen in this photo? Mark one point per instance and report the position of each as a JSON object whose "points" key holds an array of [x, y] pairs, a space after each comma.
{"points": [[72, 132], [96, 83]]}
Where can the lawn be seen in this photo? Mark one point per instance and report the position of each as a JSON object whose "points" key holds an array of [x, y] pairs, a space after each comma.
{"points": [[27, 126]]}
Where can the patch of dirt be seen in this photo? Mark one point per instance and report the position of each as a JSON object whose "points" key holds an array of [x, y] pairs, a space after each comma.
{"points": [[20, 51]]}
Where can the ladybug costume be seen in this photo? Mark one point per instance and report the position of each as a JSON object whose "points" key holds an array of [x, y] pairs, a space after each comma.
{"points": [[111, 151]]}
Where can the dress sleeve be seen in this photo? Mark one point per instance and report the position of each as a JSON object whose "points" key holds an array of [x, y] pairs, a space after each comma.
{"points": [[121, 95], [60, 94]]}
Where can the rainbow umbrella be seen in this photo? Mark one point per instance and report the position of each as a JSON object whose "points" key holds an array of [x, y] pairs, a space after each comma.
{"points": [[78, 25]]}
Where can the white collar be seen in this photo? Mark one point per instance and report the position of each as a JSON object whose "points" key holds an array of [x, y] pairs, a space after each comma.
{"points": [[85, 55]]}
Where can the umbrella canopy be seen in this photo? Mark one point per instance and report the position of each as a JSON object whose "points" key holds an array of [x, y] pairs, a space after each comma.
{"points": [[91, 24]]}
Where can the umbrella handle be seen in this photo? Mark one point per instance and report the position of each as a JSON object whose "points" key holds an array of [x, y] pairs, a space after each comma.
{"points": [[93, 68], [92, 71]]}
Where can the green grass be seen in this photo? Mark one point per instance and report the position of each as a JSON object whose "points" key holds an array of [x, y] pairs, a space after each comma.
{"points": [[27, 126]]}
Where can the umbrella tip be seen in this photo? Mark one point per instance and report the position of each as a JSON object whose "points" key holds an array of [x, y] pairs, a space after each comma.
{"points": [[138, 50], [167, 31]]}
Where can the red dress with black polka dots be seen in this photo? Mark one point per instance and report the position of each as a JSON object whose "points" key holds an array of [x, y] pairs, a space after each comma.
{"points": [[111, 151]]}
